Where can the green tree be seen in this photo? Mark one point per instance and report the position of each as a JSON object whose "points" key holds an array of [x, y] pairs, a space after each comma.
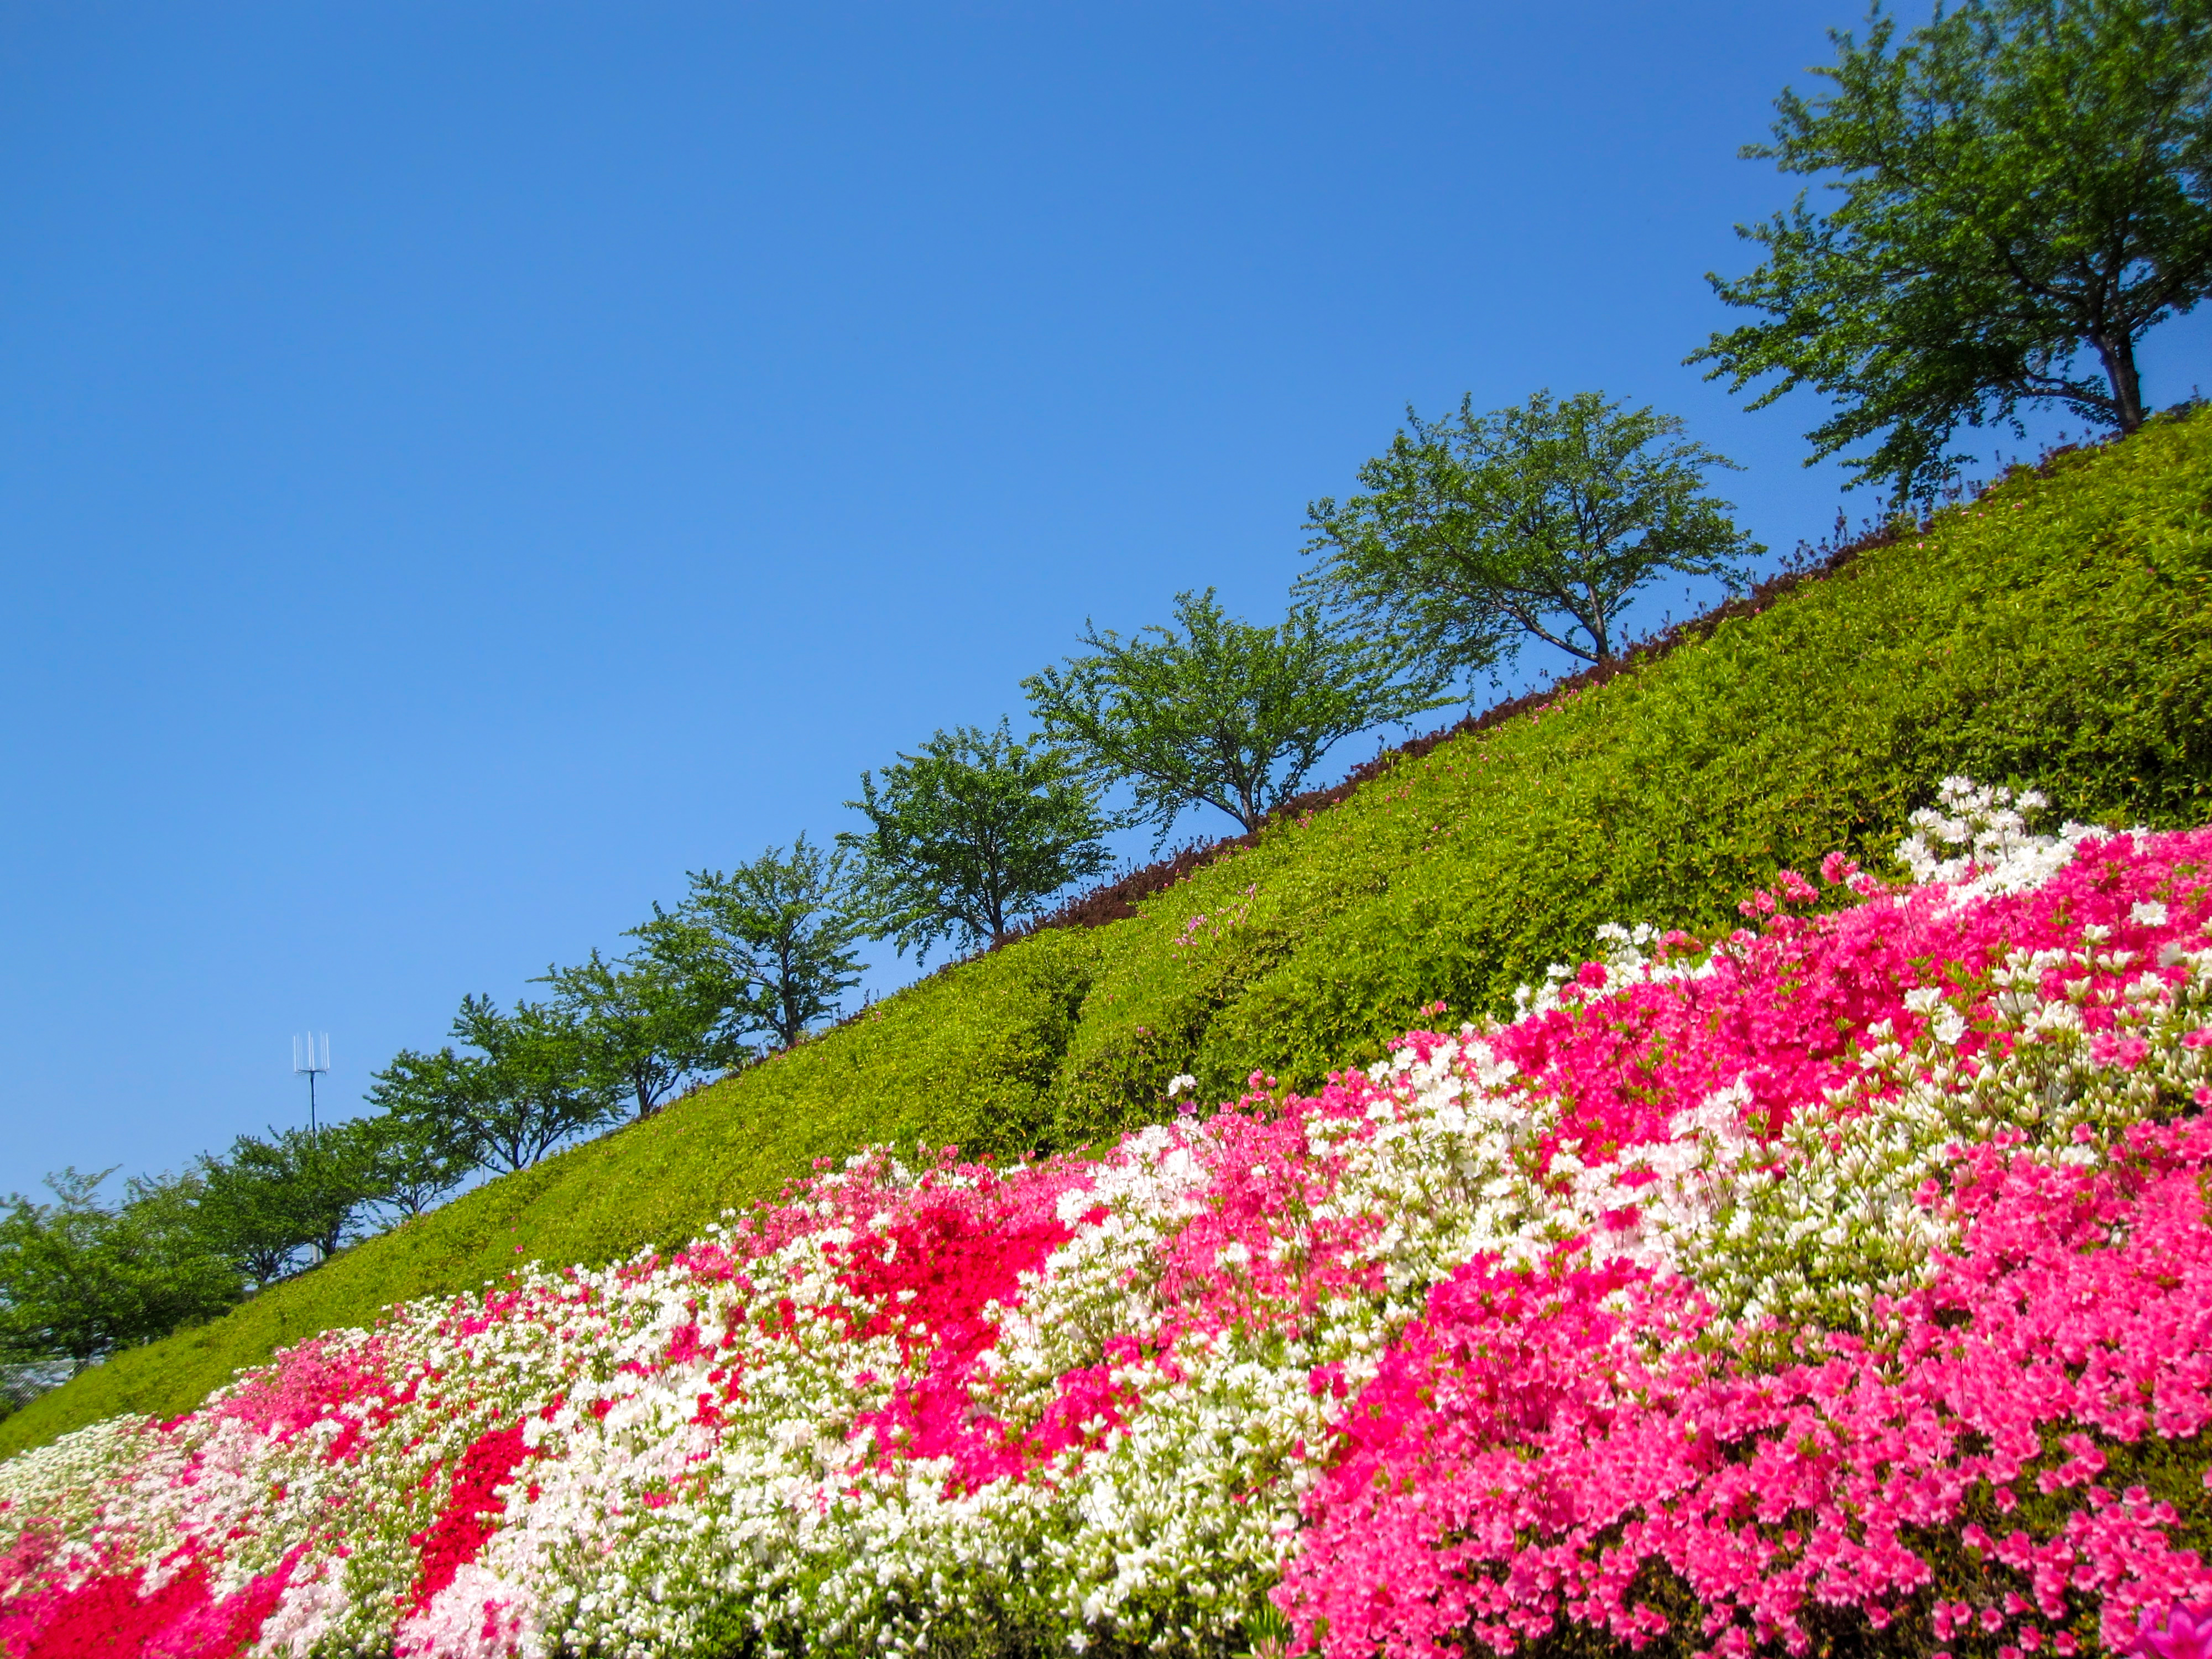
{"points": [[2019, 183], [531, 1085], [648, 1022], [1218, 712], [414, 1159], [771, 942], [437, 1099], [543, 1088], [264, 1201], [971, 836], [80, 1278], [1540, 521], [246, 1219]]}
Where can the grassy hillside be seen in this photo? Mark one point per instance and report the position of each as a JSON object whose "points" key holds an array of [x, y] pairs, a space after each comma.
{"points": [[2058, 631]]}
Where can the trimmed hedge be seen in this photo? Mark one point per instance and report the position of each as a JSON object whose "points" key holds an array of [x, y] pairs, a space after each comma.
{"points": [[2057, 632]]}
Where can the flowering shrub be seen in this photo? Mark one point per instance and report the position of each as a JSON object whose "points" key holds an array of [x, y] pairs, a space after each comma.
{"points": [[1847, 1279]]}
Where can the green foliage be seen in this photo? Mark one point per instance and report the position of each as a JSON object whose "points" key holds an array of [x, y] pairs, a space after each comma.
{"points": [[22, 1382], [2020, 180], [431, 1099], [1221, 712], [412, 1160], [969, 837], [1480, 532], [535, 1083], [769, 947], [80, 1279], [647, 1024], [264, 1201], [2058, 632]]}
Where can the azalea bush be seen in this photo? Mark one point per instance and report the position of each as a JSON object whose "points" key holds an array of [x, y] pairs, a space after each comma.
{"points": [[1844, 1280]]}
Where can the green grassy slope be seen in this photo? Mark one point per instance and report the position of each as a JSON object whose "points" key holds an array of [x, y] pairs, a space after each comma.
{"points": [[2059, 632]]}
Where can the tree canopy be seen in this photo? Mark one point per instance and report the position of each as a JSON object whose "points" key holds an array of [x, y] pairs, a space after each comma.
{"points": [[1222, 712], [2018, 183], [265, 1201], [771, 942], [413, 1161], [532, 1086], [80, 1278], [970, 835], [1481, 531], [645, 1024]]}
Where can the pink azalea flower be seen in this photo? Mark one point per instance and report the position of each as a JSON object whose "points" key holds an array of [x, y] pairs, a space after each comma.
{"points": [[2187, 1635]]}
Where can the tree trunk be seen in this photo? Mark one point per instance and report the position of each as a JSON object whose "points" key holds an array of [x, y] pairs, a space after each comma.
{"points": [[1250, 816], [1597, 623], [2118, 357]]}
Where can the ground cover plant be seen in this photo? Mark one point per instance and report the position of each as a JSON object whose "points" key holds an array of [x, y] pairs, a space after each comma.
{"points": [[1842, 1282], [2058, 628]]}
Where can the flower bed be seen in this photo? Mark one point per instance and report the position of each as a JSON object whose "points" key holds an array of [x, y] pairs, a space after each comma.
{"points": [[1846, 1280]]}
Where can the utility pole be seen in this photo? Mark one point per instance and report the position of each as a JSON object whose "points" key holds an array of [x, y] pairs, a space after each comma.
{"points": [[305, 1059]]}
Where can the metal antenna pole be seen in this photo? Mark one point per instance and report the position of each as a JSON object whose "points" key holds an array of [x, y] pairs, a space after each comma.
{"points": [[306, 1059]]}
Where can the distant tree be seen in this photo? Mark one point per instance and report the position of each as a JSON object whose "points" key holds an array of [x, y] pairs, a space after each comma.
{"points": [[1540, 521], [543, 1088], [413, 1159], [771, 940], [160, 1225], [647, 1024], [264, 1201], [245, 1218], [80, 1278], [1218, 712], [970, 835], [438, 1099], [2019, 181], [531, 1085]]}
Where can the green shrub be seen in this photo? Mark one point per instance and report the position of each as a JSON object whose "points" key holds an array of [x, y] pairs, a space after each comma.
{"points": [[2057, 632]]}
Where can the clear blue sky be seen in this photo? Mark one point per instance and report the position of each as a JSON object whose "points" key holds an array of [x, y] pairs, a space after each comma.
{"points": [[462, 466]]}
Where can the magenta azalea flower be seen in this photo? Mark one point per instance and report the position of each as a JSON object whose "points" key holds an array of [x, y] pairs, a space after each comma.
{"points": [[2187, 1635]]}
